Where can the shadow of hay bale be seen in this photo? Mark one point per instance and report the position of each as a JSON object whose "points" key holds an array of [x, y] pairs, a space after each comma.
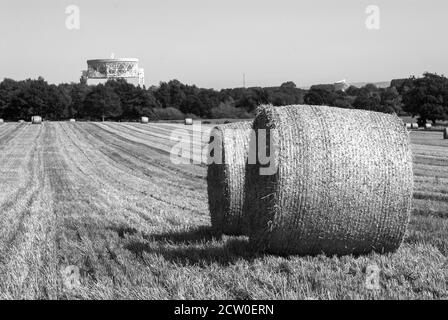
{"points": [[193, 247], [198, 235]]}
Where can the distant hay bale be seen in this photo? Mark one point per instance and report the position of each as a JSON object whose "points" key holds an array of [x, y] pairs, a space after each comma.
{"points": [[2, 121], [343, 183], [36, 120], [428, 126], [415, 125], [144, 120], [72, 120], [408, 125], [445, 133], [225, 180], [188, 121], [21, 121]]}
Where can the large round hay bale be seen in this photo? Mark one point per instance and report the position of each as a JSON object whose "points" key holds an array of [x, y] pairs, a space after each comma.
{"points": [[72, 120], [36, 120], [2, 121], [343, 182], [428, 126], [225, 177], [408, 125], [415, 125], [188, 121], [144, 120], [445, 133]]}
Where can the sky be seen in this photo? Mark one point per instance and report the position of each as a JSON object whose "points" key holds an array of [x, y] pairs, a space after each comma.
{"points": [[213, 43]]}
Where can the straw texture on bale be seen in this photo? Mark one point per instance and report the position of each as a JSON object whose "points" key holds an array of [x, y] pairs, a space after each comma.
{"points": [[343, 183], [445, 133], [36, 120], [144, 120], [225, 180], [188, 121]]}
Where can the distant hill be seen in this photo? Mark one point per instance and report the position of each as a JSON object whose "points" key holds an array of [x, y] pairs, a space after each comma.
{"points": [[382, 84]]}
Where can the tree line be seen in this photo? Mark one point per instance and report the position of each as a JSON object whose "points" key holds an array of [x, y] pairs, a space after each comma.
{"points": [[425, 97]]}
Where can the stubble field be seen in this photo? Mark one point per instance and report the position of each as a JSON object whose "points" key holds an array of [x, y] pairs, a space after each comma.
{"points": [[106, 198]]}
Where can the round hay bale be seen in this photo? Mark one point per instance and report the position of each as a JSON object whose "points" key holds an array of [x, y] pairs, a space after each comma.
{"points": [[415, 125], [408, 125], [188, 121], [445, 133], [72, 120], [36, 120], [343, 182], [428, 126], [225, 180], [144, 120], [2, 121]]}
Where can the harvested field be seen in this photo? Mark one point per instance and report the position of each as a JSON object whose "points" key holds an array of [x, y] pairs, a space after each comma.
{"points": [[106, 198]]}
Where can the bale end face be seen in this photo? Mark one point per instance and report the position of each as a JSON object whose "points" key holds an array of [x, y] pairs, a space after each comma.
{"points": [[36, 120], [144, 120], [226, 176], [343, 184]]}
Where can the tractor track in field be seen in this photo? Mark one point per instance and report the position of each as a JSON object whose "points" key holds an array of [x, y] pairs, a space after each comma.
{"points": [[82, 226], [134, 170], [9, 135], [29, 182], [27, 247], [112, 151], [186, 172], [76, 229], [115, 180]]}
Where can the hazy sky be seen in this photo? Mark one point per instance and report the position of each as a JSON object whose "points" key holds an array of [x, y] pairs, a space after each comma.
{"points": [[212, 43]]}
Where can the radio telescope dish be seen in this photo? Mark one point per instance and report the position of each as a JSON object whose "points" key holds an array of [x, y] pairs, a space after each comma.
{"points": [[121, 68]]}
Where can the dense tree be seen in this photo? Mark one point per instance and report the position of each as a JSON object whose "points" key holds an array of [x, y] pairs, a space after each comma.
{"points": [[428, 98], [391, 101], [368, 98], [403, 85], [425, 97], [8, 90], [135, 101], [320, 96], [102, 103], [286, 94], [78, 93]]}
